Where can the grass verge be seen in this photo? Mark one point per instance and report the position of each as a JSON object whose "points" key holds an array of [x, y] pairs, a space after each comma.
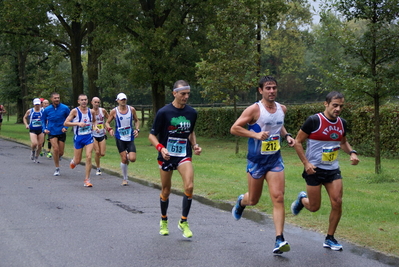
{"points": [[370, 211]]}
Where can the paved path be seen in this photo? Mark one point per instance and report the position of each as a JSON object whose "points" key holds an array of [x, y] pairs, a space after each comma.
{"points": [[56, 221]]}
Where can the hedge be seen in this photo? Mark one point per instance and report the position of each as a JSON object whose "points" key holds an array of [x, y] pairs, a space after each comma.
{"points": [[216, 123]]}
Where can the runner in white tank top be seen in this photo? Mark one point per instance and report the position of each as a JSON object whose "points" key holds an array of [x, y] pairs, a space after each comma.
{"points": [[83, 123], [125, 132], [265, 121], [100, 136]]}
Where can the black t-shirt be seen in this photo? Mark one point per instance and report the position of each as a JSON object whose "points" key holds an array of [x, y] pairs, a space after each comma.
{"points": [[312, 123], [172, 126]]}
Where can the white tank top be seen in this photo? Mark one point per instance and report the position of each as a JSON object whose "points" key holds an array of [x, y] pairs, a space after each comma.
{"points": [[271, 122], [124, 125], [83, 117], [100, 124]]}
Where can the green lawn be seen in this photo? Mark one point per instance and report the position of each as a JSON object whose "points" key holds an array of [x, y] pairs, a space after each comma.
{"points": [[371, 211]]}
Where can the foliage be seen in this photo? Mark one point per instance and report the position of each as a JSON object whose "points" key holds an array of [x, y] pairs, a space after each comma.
{"points": [[230, 66], [284, 49], [389, 119], [368, 35], [215, 122]]}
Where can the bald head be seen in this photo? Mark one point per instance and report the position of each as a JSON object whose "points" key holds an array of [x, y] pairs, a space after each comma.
{"points": [[96, 102]]}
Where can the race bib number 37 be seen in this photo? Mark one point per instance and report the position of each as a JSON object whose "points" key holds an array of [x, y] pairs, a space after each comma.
{"points": [[329, 154]]}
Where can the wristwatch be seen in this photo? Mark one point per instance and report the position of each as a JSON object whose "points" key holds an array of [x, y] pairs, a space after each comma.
{"points": [[288, 134], [138, 130], [353, 151]]}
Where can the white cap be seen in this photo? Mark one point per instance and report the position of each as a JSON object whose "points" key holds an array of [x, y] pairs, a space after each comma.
{"points": [[36, 101], [121, 96]]}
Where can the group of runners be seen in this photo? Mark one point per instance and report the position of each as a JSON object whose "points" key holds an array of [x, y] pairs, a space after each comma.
{"points": [[173, 136]]}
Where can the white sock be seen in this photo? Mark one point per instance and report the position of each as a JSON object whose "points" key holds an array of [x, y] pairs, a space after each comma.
{"points": [[124, 170]]}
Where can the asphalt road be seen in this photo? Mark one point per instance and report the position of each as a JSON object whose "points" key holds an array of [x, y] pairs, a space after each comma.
{"points": [[56, 221]]}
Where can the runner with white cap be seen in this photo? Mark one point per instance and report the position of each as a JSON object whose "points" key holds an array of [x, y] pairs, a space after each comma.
{"points": [[35, 129], [125, 132]]}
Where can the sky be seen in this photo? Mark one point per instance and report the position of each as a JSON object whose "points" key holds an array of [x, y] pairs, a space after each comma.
{"points": [[315, 5]]}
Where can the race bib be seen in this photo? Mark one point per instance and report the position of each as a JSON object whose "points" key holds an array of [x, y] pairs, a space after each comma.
{"points": [[100, 126], [271, 145], [36, 123], [85, 129], [125, 131], [177, 146], [329, 154]]}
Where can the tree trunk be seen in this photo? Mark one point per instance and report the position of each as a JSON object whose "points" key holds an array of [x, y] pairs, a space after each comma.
{"points": [[76, 61], [236, 116], [158, 95], [22, 102], [92, 63], [377, 134]]}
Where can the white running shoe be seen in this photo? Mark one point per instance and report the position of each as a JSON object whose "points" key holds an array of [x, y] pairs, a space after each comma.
{"points": [[57, 172]]}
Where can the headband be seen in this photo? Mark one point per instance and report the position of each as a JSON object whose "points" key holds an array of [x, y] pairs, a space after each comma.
{"points": [[181, 88]]}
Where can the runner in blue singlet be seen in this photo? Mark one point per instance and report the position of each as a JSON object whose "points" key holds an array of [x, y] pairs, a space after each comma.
{"points": [[35, 129]]}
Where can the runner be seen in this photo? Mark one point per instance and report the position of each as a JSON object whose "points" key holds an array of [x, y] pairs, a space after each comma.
{"points": [[35, 129], [2, 111], [100, 136], [53, 124], [124, 133], [325, 135], [45, 104], [263, 124], [83, 122], [173, 135]]}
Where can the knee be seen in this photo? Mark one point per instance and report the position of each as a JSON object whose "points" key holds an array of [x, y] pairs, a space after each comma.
{"points": [[313, 207], [336, 203], [102, 154], [252, 201], [189, 189], [165, 192], [278, 198]]}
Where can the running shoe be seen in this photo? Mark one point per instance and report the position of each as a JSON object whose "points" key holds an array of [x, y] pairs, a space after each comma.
{"points": [[332, 243], [281, 246], [98, 172], [49, 155], [72, 164], [87, 183], [125, 182], [37, 160], [163, 224], [57, 172], [185, 228], [32, 155], [297, 205], [237, 209], [41, 153]]}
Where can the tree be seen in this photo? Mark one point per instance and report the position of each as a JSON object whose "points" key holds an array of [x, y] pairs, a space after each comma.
{"points": [[167, 37], [18, 42], [369, 35], [285, 47], [231, 66]]}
